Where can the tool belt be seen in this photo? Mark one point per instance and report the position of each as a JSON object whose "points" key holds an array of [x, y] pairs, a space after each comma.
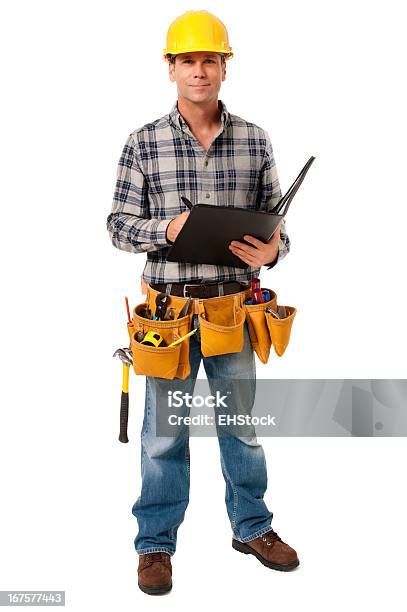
{"points": [[221, 318]]}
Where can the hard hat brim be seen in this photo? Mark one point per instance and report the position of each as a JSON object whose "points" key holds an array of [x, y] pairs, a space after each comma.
{"points": [[167, 53]]}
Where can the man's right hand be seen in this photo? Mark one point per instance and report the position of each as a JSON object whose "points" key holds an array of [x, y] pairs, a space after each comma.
{"points": [[175, 226]]}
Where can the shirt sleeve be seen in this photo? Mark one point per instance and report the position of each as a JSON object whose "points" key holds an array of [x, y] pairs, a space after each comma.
{"points": [[129, 224], [270, 195]]}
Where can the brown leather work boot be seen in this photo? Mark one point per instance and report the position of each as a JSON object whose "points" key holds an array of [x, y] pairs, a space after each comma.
{"points": [[269, 550], [154, 573]]}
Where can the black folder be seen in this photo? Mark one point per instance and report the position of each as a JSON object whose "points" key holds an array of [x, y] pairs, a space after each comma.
{"points": [[209, 229]]}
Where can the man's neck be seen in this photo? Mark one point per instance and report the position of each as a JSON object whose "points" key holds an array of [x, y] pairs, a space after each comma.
{"points": [[200, 117]]}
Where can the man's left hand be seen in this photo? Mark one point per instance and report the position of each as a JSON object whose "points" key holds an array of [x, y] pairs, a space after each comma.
{"points": [[260, 253]]}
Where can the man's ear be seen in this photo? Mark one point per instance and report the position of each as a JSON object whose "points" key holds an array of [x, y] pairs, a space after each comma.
{"points": [[224, 72], [171, 69]]}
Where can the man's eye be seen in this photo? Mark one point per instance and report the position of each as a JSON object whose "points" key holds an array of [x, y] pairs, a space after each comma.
{"points": [[188, 61]]}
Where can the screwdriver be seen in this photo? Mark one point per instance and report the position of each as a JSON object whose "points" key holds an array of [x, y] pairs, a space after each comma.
{"points": [[185, 309], [169, 315]]}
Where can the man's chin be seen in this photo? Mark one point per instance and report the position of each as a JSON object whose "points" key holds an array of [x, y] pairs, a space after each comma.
{"points": [[199, 96]]}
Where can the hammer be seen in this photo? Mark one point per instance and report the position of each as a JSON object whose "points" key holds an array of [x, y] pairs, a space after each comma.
{"points": [[126, 357]]}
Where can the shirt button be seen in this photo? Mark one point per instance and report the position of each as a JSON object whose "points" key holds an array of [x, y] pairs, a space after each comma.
{"points": [[208, 195], [206, 162]]}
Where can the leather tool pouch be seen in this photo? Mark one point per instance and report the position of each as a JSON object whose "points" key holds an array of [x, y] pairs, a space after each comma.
{"points": [[221, 322], [280, 329], [265, 330], [162, 361], [258, 329]]}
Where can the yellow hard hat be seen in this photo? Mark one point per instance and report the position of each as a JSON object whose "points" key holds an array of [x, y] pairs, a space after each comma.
{"points": [[197, 31]]}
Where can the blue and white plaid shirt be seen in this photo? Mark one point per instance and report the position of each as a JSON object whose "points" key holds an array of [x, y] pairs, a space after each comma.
{"points": [[162, 161]]}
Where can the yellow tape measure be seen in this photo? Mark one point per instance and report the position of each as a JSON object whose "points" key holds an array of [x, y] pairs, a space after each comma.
{"points": [[153, 339]]}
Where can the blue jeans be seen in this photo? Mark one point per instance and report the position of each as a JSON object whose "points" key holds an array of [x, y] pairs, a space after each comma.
{"points": [[165, 472]]}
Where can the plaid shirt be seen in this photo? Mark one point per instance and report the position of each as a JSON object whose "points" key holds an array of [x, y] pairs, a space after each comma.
{"points": [[162, 161]]}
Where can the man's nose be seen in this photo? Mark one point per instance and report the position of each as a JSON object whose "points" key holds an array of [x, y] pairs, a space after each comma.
{"points": [[199, 70]]}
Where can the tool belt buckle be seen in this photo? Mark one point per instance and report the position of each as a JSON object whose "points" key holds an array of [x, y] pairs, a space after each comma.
{"points": [[191, 285]]}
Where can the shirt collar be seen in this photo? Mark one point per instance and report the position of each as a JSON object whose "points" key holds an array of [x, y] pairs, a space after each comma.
{"points": [[179, 122]]}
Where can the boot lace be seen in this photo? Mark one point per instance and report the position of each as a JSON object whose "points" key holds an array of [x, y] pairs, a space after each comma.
{"points": [[154, 557], [271, 537]]}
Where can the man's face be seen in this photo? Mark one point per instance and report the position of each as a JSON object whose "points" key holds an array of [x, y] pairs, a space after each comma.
{"points": [[198, 75]]}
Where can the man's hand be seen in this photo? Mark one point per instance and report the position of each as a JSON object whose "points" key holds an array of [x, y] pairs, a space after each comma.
{"points": [[175, 226], [260, 253]]}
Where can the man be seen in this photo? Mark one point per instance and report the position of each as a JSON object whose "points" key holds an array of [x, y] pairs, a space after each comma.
{"points": [[203, 152]]}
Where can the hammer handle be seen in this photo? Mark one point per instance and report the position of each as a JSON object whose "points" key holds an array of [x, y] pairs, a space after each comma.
{"points": [[124, 417], [124, 405]]}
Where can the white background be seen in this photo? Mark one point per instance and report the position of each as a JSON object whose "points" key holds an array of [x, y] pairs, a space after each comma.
{"points": [[325, 79]]}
